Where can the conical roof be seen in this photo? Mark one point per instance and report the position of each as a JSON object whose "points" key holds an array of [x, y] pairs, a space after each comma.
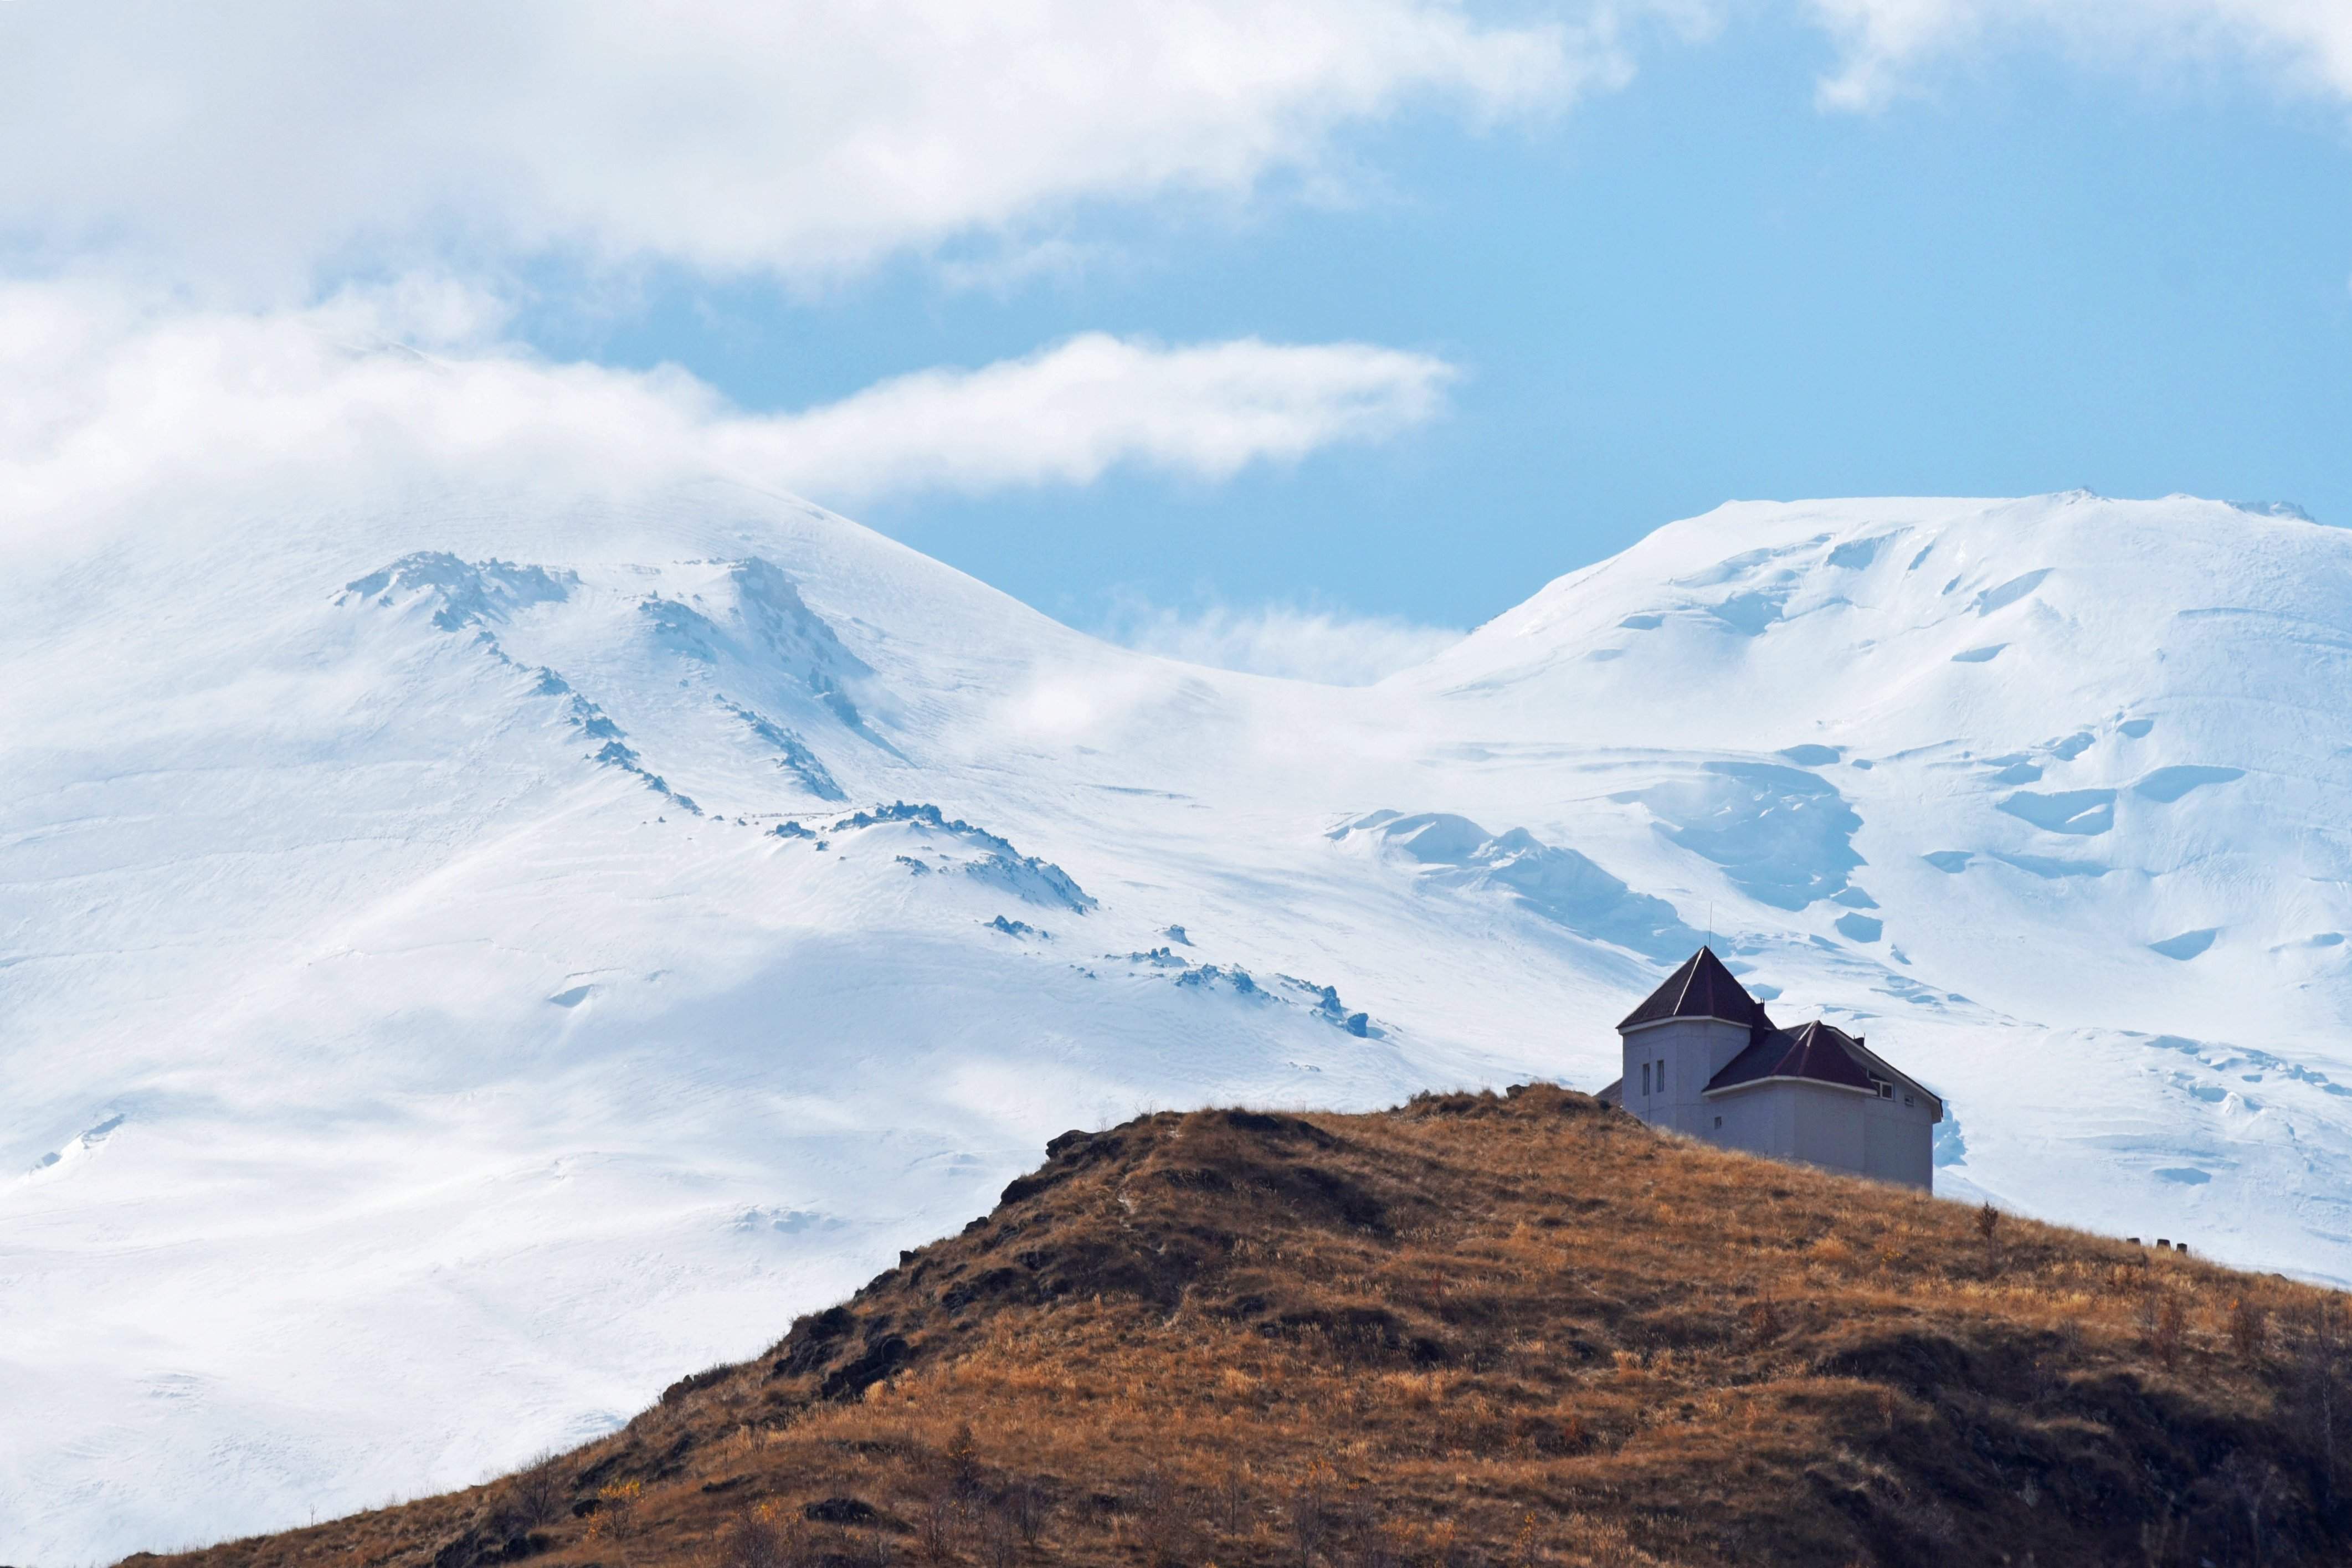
{"points": [[1701, 989]]}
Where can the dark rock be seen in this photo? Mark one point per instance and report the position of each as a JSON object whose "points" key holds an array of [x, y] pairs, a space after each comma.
{"points": [[812, 1341], [692, 1382], [879, 1362], [839, 1510]]}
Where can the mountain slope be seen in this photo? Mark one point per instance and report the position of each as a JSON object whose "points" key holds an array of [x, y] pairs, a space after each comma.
{"points": [[1473, 1328], [529, 946]]}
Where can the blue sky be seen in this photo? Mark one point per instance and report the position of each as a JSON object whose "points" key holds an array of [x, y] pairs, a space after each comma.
{"points": [[1645, 259], [2024, 277]]}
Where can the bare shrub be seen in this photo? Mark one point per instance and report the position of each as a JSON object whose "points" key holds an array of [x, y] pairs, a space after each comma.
{"points": [[2258, 1488], [939, 1528], [2316, 1384], [531, 1498], [1311, 1511], [2250, 1325], [1024, 1506], [1232, 1494], [999, 1540], [2163, 1326], [1162, 1525], [763, 1539], [964, 1460]]}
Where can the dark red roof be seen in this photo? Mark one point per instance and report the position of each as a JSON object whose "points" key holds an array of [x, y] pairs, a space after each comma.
{"points": [[1820, 1051], [1701, 989]]}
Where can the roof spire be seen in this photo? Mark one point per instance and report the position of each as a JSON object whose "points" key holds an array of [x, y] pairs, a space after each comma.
{"points": [[1701, 989]]}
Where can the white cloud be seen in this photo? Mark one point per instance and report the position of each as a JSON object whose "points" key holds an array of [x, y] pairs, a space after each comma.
{"points": [[259, 139], [263, 143], [102, 395], [1068, 414], [2306, 44], [1335, 649]]}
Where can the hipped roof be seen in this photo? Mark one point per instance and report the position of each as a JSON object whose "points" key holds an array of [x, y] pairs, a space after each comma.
{"points": [[1820, 1051]]}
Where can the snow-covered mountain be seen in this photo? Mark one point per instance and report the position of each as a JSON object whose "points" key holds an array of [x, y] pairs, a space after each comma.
{"points": [[468, 962]]}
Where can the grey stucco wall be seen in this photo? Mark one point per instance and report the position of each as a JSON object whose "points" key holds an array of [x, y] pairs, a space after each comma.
{"points": [[1828, 1124], [1688, 1052], [1821, 1125], [1899, 1141]]}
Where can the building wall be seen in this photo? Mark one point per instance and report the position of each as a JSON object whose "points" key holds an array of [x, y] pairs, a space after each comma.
{"points": [[1758, 1120], [1817, 1123], [1820, 1124], [1899, 1141], [1828, 1124], [1682, 1055]]}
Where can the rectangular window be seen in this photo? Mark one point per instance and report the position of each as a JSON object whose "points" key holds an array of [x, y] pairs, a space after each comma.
{"points": [[1718, 1120], [1885, 1090], [1645, 1077]]}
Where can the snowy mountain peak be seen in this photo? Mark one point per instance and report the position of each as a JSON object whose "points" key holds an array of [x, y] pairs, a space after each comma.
{"points": [[438, 930]]}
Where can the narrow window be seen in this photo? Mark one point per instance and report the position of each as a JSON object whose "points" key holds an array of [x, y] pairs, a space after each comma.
{"points": [[1718, 1120], [1646, 1079]]}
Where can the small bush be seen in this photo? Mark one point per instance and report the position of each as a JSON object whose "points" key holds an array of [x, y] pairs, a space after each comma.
{"points": [[964, 1460], [2164, 1325], [1232, 1494], [940, 1528], [1161, 1525], [763, 1539], [1311, 1511], [2250, 1325], [530, 1499]]}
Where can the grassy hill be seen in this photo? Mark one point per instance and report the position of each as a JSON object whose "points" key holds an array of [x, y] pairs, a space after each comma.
{"points": [[1473, 1330]]}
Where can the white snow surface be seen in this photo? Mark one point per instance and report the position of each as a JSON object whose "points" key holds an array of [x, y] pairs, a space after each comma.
{"points": [[456, 975]]}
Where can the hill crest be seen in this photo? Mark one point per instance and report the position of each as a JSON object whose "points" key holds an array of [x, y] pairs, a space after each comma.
{"points": [[1474, 1329]]}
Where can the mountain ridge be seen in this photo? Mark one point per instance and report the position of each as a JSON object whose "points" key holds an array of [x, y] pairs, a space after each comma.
{"points": [[362, 991]]}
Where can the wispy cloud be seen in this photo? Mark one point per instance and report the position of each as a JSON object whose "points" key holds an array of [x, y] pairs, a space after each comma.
{"points": [[1069, 413], [106, 393], [2304, 43], [1323, 645]]}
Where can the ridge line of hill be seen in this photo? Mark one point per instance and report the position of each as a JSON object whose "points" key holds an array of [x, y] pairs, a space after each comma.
{"points": [[1475, 1329]]}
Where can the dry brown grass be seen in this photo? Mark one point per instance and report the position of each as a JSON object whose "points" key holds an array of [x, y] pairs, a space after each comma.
{"points": [[1476, 1329]]}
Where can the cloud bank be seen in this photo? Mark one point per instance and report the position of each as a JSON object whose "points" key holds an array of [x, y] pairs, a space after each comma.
{"points": [[265, 144], [260, 140]]}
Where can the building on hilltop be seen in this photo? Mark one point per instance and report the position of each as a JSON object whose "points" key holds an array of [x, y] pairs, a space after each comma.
{"points": [[1702, 1057]]}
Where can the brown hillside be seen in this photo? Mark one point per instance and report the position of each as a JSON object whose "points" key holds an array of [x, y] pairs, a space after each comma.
{"points": [[1473, 1330]]}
